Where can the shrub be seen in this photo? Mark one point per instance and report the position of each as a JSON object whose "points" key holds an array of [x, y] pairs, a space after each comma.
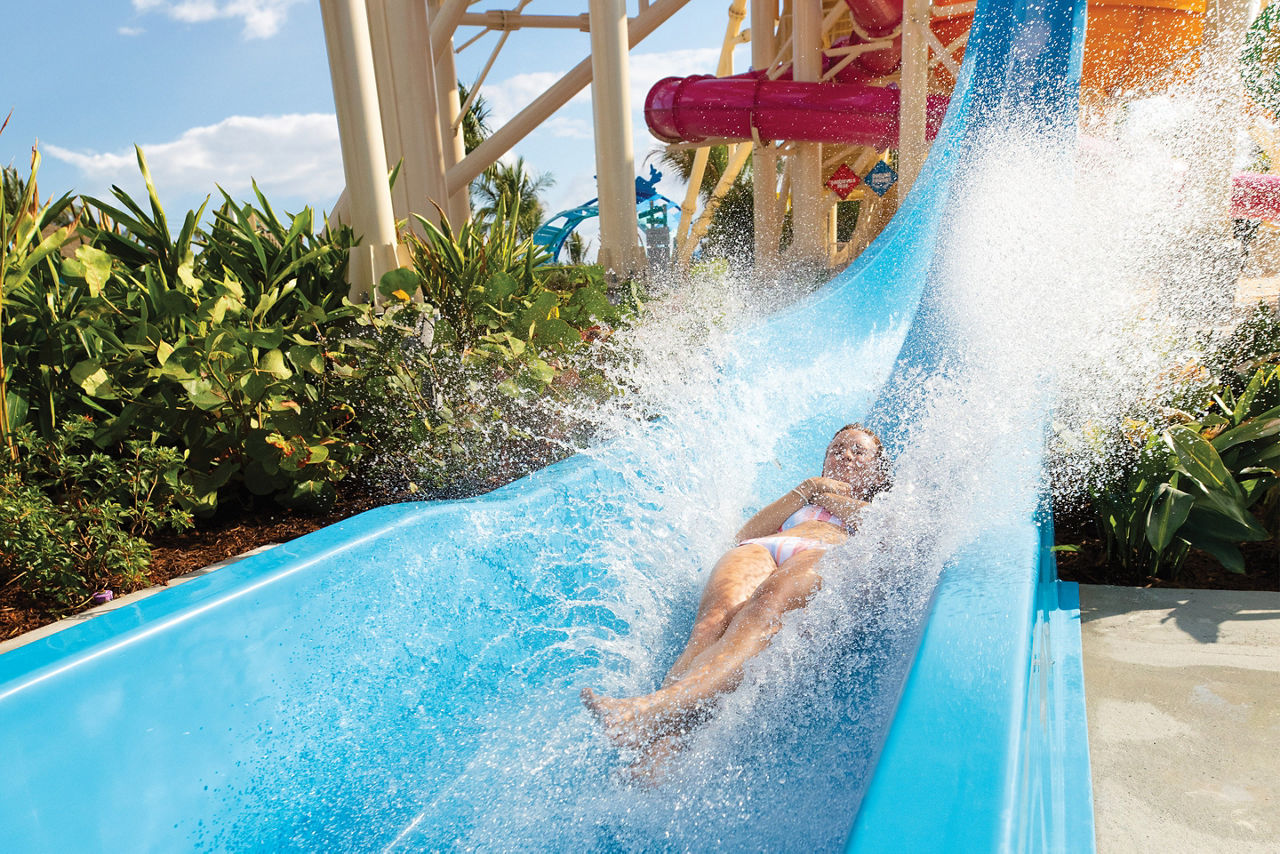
{"points": [[228, 355], [145, 373], [469, 388], [1211, 483], [72, 518]]}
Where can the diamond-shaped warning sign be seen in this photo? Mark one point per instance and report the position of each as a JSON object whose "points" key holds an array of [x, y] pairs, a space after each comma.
{"points": [[843, 181], [881, 178]]}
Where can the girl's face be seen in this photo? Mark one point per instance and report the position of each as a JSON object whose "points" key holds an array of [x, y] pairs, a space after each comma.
{"points": [[853, 457]]}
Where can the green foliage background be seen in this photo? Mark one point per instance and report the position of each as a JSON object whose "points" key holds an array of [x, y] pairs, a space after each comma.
{"points": [[224, 358]]}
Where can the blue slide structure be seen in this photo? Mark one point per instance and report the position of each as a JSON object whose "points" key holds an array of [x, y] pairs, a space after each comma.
{"points": [[652, 208], [363, 687]]}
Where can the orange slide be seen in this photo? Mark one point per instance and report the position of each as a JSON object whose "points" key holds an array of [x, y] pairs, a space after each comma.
{"points": [[1139, 43]]}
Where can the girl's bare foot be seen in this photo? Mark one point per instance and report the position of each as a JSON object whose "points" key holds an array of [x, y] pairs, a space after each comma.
{"points": [[618, 719]]}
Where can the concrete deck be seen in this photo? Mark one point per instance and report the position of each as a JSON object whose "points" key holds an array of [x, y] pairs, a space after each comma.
{"points": [[1183, 696]]}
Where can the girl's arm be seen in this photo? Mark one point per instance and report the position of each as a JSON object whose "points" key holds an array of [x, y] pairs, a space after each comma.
{"points": [[844, 506], [771, 517]]}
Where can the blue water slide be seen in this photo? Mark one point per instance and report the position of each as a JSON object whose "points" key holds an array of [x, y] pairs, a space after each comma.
{"points": [[406, 679]]}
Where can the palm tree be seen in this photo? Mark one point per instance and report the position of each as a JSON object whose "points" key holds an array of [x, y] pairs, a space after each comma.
{"points": [[577, 247], [14, 187], [475, 121], [514, 189], [681, 161], [732, 231]]}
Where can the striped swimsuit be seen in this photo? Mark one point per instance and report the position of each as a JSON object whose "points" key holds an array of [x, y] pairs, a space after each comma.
{"points": [[783, 547]]}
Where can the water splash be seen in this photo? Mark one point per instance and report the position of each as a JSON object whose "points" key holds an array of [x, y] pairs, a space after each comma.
{"points": [[1067, 284]]}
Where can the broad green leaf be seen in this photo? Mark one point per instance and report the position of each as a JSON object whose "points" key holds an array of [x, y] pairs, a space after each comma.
{"points": [[541, 371], [273, 363], [404, 280], [15, 409], [1249, 431], [255, 385], [1246, 398], [91, 377], [267, 339], [555, 332], [501, 286], [97, 268], [163, 352], [1226, 553], [1208, 522], [311, 493], [201, 393], [307, 358], [1200, 461], [1169, 509], [187, 275], [260, 480]]}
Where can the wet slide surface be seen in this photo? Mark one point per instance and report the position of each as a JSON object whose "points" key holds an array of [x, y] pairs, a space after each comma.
{"points": [[407, 679]]}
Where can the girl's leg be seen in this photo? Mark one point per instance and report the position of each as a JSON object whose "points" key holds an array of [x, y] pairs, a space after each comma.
{"points": [[718, 668], [734, 578]]}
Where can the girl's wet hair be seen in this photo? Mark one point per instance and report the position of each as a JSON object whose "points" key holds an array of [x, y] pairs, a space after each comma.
{"points": [[872, 433]]}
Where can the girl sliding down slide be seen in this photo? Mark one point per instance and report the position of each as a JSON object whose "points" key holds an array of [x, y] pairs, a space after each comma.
{"points": [[770, 572]]}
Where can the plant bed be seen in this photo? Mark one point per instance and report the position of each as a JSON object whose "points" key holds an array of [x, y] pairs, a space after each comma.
{"points": [[1087, 564]]}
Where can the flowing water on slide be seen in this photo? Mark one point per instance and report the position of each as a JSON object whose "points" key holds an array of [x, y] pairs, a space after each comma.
{"points": [[1065, 284]]}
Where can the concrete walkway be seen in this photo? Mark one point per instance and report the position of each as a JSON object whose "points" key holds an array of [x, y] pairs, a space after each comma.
{"points": [[1183, 696]]}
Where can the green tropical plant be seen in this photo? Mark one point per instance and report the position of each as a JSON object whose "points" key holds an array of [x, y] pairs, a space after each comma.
{"points": [[577, 247], [72, 516], [1200, 485], [468, 381], [731, 233], [509, 191], [224, 353]]}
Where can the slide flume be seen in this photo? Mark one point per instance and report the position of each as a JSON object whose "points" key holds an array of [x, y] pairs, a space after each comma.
{"points": [[407, 679]]}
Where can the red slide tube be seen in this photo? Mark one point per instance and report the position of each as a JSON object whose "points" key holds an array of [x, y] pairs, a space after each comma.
{"points": [[1255, 196], [691, 109]]}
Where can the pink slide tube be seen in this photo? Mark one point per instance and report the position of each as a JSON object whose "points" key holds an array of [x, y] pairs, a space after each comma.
{"points": [[877, 18], [1255, 197], [691, 109]]}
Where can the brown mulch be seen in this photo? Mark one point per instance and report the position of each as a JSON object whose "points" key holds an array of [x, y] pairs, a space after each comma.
{"points": [[233, 531], [1199, 572]]}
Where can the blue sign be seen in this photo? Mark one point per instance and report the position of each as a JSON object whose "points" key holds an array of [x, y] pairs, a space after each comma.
{"points": [[881, 178]]}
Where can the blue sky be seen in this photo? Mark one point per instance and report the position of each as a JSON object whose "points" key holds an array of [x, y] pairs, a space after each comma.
{"points": [[219, 91]]}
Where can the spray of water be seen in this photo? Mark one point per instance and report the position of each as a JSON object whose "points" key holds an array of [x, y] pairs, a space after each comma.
{"points": [[1072, 283]]}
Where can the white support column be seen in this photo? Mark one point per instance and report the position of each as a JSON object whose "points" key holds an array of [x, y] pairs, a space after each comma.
{"points": [[448, 107], [808, 213], [737, 14], [914, 85], [557, 95], [615, 160], [364, 164], [764, 160], [401, 38]]}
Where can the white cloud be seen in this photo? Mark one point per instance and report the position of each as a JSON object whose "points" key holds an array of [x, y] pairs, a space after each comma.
{"points": [[293, 155], [262, 18], [130, 31], [568, 128], [507, 97], [649, 68]]}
